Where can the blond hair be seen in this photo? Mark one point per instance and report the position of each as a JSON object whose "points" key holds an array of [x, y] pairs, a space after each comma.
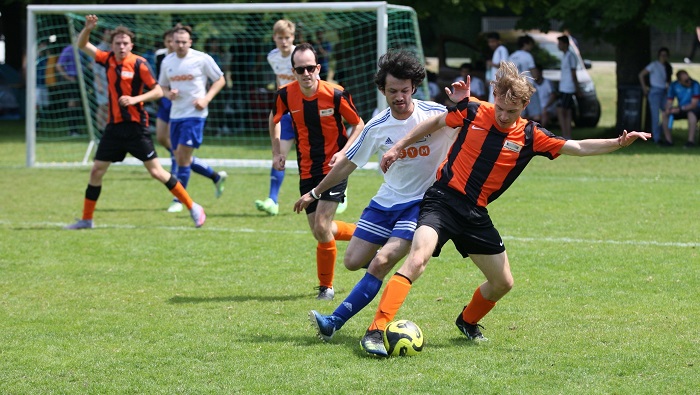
{"points": [[283, 26], [512, 85]]}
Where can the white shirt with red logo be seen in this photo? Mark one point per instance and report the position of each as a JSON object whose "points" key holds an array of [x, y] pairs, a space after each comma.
{"points": [[409, 177], [189, 76]]}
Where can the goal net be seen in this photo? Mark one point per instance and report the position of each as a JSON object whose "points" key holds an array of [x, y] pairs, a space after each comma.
{"points": [[65, 118]]}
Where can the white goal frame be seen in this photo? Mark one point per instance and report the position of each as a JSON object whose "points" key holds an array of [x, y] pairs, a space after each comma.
{"points": [[380, 7]]}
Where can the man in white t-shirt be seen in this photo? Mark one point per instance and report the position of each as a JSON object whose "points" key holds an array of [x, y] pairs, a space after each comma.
{"points": [[183, 76], [385, 229], [500, 54], [523, 60], [568, 87]]}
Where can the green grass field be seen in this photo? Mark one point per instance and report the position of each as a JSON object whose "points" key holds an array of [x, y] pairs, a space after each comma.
{"points": [[604, 251]]}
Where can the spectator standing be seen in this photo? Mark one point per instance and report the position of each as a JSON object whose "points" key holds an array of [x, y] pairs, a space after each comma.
{"points": [[547, 96], [696, 45], [69, 89], [655, 90], [523, 60], [500, 54], [324, 48], [568, 87]]}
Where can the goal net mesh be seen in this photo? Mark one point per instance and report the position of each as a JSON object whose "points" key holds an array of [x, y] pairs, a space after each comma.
{"points": [[69, 115]]}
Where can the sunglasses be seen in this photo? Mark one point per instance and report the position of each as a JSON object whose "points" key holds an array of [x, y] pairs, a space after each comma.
{"points": [[300, 69]]}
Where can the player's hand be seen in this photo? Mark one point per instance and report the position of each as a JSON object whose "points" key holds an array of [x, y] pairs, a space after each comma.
{"points": [[278, 162], [90, 21], [126, 101], [334, 159], [173, 94], [200, 103], [460, 90], [303, 203], [388, 158], [627, 138]]}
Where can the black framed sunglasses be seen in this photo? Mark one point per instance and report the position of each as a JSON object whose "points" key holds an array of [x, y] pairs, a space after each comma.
{"points": [[300, 69]]}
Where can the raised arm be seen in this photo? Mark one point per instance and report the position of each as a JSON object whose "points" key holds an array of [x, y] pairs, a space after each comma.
{"points": [[84, 37]]}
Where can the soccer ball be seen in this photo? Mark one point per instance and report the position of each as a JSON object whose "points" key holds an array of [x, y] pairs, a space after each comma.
{"points": [[403, 338]]}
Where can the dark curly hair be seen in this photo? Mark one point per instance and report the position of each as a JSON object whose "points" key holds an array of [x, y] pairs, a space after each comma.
{"points": [[401, 64]]}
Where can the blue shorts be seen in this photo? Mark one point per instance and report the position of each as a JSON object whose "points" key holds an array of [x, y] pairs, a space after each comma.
{"points": [[377, 226], [164, 109], [287, 132], [188, 132]]}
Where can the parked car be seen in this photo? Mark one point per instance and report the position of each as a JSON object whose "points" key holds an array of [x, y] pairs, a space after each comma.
{"points": [[453, 51]]}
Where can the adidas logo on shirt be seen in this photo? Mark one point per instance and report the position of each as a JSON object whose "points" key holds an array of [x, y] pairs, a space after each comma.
{"points": [[388, 141]]}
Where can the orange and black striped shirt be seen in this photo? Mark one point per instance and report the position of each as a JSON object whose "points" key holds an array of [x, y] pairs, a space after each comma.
{"points": [[484, 161], [318, 123], [127, 77]]}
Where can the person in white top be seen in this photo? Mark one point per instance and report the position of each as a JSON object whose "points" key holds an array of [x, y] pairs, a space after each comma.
{"points": [[385, 229], [546, 94], [500, 54], [184, 75], [280, 59], [568, 87], [523, 60], [655, 91]]}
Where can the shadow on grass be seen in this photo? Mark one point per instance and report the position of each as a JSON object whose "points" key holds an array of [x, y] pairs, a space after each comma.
{"points": [[238, 298]]}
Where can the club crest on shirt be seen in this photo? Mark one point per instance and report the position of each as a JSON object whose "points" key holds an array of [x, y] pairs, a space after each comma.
{"points": [[127, 74], [512, 146], [327, 112]]}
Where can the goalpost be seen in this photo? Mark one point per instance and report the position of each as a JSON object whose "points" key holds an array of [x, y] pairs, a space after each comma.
{"points": [[65, 119]]}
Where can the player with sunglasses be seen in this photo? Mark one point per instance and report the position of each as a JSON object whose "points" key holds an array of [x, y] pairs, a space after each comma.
{"points": [[318, 109]]}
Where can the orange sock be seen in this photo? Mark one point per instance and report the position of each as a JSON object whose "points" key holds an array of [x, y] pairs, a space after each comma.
{"points": [[181, 194], [325, 262], [392, 298], [88, 208], [345, 230], [477, 308]]}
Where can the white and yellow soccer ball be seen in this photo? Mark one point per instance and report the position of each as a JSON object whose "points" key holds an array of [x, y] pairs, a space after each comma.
{"points": [[403, 338]]}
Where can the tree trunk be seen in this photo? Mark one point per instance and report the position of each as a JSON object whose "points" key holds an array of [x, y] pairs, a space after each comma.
{"points": [[632, 54]]}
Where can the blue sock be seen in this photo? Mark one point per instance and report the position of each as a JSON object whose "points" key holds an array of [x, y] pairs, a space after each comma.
{"points": [[201, 167], [183, 174], [360, 296], [173, 163], [276, 178]]}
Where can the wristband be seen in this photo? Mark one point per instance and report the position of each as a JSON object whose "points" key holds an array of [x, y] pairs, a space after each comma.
{"points": [[313, 194]]}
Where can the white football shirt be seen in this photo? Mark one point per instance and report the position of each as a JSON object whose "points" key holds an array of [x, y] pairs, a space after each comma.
{"points": [[409, 177], [189, 76], [282, 66]]}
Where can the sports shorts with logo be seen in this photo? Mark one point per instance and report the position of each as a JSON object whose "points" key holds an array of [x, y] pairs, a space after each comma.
{"points": [[468, 226], [125, 137]]}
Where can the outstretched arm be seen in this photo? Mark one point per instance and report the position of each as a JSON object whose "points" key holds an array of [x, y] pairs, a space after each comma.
{"points": [[601, 146]]}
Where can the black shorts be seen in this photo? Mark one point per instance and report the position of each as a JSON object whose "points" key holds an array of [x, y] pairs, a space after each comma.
{"points": [[683, 114], [125, 137], [334, 194], [567, 100], [469, 227]]}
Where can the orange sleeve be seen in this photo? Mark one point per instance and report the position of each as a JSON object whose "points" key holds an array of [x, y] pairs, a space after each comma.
{"points": [[546, 141], [455, 118], [147, 75]]}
